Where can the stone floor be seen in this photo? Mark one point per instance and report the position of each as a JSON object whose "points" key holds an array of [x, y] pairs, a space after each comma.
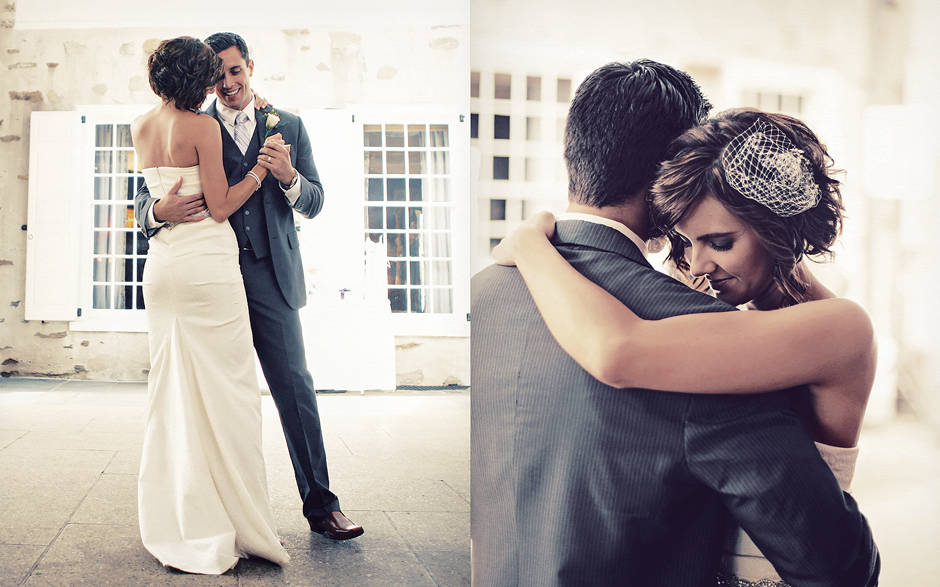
{"points": [[70, 451]]}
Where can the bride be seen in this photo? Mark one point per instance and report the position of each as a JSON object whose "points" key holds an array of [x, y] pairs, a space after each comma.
{"points": [[202, 491], [747, 197]]}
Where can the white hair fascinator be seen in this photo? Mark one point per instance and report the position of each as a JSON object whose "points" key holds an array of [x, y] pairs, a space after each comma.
{"points": [[763, 164]]}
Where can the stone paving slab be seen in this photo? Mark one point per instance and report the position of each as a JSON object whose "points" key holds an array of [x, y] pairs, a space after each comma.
{"points": [[70, 453]]}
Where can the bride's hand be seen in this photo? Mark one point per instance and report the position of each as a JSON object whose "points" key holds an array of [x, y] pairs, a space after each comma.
{"points": [[260, 103], [540, 226]]}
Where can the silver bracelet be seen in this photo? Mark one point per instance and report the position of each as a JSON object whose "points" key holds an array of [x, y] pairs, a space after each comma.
{"points": [[255, 177]]}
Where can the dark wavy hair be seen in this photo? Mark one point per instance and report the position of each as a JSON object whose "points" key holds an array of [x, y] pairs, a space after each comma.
{"points": [[182, 69], [222, 41], [619, 124], [695, 171]]}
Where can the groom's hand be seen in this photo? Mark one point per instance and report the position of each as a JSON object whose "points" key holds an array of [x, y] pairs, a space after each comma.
{"points": [[173, 208], [275, 157]]}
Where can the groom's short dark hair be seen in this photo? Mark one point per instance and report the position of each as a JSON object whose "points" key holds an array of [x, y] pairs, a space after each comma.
{"points": [[222, 41], [621, 120]]}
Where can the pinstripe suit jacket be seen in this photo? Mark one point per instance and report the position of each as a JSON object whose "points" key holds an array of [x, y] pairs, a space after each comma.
{"points": [[577, 483]]}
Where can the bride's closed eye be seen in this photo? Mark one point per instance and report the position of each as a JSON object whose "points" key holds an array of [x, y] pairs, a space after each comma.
{"points": [[721, 245]]}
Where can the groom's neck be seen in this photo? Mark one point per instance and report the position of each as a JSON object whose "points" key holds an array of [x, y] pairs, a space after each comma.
{"points": [[634, 214]]}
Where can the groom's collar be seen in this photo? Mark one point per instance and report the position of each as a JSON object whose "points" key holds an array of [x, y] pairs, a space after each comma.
{"points": [[618, 226], [227, 115]]}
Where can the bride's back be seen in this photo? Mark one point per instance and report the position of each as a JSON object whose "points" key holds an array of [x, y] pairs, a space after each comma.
{"points": [[166, 136]]}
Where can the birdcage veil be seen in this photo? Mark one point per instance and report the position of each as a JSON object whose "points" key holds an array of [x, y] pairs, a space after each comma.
{"points": [[764, 165]]}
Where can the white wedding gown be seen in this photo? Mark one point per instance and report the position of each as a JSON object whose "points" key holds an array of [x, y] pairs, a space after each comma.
{"points": [[202, 492], [743, 565]]}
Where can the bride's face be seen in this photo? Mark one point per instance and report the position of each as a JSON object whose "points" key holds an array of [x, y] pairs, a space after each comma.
{"points": [[727, 252]]}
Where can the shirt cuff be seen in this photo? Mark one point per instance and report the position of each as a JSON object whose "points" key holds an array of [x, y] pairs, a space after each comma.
{"points": [[151, 221], [294, 192]]}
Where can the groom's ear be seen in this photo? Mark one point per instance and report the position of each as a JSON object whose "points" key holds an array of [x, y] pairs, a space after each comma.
{"points": [[251, 67]]}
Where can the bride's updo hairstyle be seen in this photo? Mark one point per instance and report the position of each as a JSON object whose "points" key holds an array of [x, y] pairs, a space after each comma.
{"points": [[771, 172], [182, 69]]}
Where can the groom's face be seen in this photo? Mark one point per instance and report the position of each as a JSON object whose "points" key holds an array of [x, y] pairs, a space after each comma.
{"points": [[234, 89]]}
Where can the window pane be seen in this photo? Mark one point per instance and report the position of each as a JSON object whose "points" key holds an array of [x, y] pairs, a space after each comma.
{"points": [[416, 245], [125, 268], [104, 135], [443, 299], [375, 236], [123, 162], [395, 162], [415, 218], [396, 189], [129, 247], [102, 161], [102, 188], [374, 216], [440, 245], [372, 135], [373, 162], [500, 127], [438, 189], [503, 86], [441, 274], [140, 298], [439, 136], [395, 135], [474, 125], [125, 217], [140, 272], [531, 169], [500, 167], [437, 218], [101, 297], [395, 218], [396, 272], [420, 273], [124, 136], [374, 191], [474, 84], [564, 90], [102, 242], [533, 128], [416, 162], [398, 300], [418, 301], [414, 189], [125, 188], [396, 245], [417, 136], [533, 88], [101, 269], [102, 216], [497, 209], [440, 163]]}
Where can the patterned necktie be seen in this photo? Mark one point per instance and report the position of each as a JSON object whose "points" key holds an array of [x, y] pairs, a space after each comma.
{"points": [[241, 131]]}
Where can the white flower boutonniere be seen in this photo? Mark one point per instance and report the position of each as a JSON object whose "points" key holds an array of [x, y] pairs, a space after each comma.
{"points": [[271, 119]]}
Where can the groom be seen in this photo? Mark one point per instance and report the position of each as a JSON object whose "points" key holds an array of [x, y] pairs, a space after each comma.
{"points": [[270, 264], [575, 483]]}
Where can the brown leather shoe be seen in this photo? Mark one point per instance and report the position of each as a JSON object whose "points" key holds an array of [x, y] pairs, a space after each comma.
{"points": [[336, 526]]}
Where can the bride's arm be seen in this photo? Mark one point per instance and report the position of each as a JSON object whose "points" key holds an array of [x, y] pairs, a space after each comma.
{"points": [[827, 344], [221, 199]]}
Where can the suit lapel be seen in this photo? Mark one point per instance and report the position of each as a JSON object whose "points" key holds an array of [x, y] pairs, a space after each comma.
{"points": [[597, 236]]}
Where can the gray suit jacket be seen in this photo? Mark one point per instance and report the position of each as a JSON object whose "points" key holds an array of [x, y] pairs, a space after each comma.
{"points": [[577, 483], [282, 233]]}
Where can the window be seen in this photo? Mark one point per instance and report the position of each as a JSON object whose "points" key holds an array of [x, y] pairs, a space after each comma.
{"points": [[497, 209], [500, 127], [533, 128], [493, 243], [791, 104], [503, 86], [119, 250], [564, 90], [531, 169], [533, 88], [474, 84], [474, 125], [500, 167], [408, 205]]}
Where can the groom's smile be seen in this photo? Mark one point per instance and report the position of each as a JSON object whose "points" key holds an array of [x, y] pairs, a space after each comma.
{"points": [[234, 89]]}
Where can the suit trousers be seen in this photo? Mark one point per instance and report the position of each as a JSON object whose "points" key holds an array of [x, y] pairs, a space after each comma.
{"points": [[279, 343]]}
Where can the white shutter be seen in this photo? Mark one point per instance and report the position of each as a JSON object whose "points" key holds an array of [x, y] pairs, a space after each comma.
{"points": [[53, 220]]}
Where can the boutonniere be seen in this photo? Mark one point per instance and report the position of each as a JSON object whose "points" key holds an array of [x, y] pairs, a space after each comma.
{"points": [[271, 119]]}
